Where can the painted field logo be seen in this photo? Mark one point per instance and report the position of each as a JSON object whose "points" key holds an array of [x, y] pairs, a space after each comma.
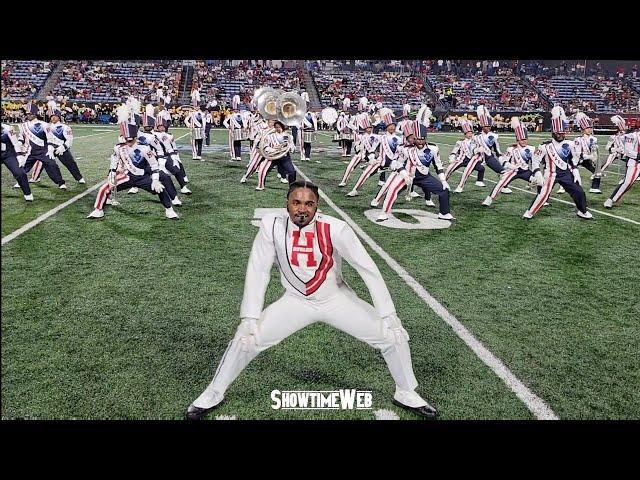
{"points": [[322, 400]]}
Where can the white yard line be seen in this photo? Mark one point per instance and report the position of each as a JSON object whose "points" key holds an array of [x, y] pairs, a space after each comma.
{"points": [[50, 213], [535, 404]]}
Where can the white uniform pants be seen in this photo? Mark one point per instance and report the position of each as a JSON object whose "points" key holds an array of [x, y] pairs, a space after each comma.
{"points": [[344, 311]]}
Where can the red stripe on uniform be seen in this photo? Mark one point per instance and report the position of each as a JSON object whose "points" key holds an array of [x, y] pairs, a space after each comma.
{"points": [[326, 247]]}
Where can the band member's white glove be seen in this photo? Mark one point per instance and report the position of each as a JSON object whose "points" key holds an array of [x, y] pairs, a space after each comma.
{"points": [[156, 186], [443, 180], [537, 179], [176, 159], [248, 327], [22, 160], [509, 166], [51, 152], [478, 150], [452, 158], [395, 165], [576, 176], [111, 179], [60, 150], [588, 156], [372, 157], [393, 322]]}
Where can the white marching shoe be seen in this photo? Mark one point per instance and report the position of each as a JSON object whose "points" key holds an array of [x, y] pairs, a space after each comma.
{"points": [[176, 201], [527, 215], [586, 214], [608, 203], [414, 195], [595, 190], [353, 193], [480, 184], [259, 188], [96, 214], [429, 203], [243, 179], [506, 190], [63, 186], [561, 190], [284, 180], [82, 180], [445, 216], [374, 203], [459, 190], [487, 201], [133, 190], [17, 185], [342, 184], [186, 180], [185, 190], [382, 217], [31, 180], [170, 213], [29, 198]]}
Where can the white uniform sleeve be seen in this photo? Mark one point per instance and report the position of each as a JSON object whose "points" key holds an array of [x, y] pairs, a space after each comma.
{"points": [[349, 247], [17, 146], [68, 133], [435, 150], [226, 122], [258, 271], [536, 159]]}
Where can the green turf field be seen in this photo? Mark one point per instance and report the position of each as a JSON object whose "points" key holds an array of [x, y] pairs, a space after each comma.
{"points": [[127, 317]]}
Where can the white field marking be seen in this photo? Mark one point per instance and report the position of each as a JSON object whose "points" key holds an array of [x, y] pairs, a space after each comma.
{"points": [[535, 404], [50, 213], [53, 211], [386, 415], [624, 219], [226, 417]]}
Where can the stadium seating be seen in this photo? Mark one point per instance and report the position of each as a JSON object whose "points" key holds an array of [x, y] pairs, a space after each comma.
{"points": [[21, 79]]}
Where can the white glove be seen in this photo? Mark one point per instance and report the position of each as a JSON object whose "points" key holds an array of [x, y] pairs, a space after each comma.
{"points": [[111, 179], [60, 150], [538, 179], [588, 156], [405, 175], [395, 165], [452, 158], [371, 157], [156, 186], [510, 166], [576, 176], [393, 322], [478, 150], [22, 160], [248, 327], [176, 160], [445, 185], [50, 152]]}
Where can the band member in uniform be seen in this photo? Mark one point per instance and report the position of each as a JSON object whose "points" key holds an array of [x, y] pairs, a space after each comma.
{"points": [[367, 150], [60, 136], [587, 151], [275, 142], [133, 165], [469, 153], [261, 127], [415, 170], [235, 123], [615, 147], [13, 157], [208, 123], [168, 157], [314, 291], [34, 134], [630, 152], [195, 121], [308, 133], [516, 161], [561, 162], [490, 140]]}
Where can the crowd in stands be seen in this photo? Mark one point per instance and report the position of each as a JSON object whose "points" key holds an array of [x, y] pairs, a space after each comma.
{"points": [[113, 81], [23, 79], [392, 89], [222, 82]]}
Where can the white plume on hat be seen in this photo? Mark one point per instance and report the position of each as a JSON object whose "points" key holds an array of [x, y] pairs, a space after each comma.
{"points": [[122, 113], [134, 104], [558, 112], [424, 115], [515, 121]]}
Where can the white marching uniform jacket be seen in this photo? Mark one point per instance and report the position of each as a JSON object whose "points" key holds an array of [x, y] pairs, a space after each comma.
{"points": [[557, 156], [586, 147], [468, 147], [235, 122], [615, 141], [137, 160], [10, 143], [419, 160], [368, 144], [631, 145], [310, 262], [34, 134], [166, 143], [490, 140], [519, 156], [60, 134], [310, 122]]}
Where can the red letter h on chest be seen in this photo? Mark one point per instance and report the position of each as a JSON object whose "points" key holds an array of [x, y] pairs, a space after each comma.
{"points": [[298, 249]]}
